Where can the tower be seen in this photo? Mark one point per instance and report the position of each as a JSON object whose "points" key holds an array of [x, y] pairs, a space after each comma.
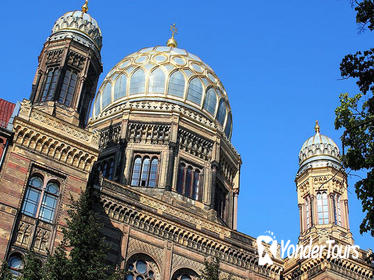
{"points": [[321, 184], [69, 68]]}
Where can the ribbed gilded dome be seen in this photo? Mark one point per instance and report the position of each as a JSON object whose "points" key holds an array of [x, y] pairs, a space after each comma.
{"points": [[80, 26], [166, 74], [319, 147]]}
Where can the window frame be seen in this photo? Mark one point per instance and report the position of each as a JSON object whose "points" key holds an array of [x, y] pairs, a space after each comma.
{"points": [[190, 192], [322, 201], [145, 156]]}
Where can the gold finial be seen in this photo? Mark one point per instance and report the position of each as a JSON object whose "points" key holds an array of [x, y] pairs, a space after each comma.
{"points": [[85, 7], [316, 128], [171, 42]]}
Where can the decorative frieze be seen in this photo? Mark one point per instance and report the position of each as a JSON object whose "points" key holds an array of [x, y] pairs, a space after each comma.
{"points": [[110, 136], [194, 144], [54, 56], [148, 133], [76, 60]]}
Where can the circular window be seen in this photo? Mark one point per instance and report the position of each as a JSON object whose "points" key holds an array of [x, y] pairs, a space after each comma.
{"points": [[15, 264], [185, 274], [142, 267]]}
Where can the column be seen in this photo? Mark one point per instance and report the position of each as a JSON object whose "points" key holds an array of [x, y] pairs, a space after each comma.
{"points": [[235, 215], [170, 155]]}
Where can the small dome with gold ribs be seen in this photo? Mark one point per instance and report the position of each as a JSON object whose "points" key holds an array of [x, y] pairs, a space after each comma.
{"points": [[170, 74], [80, 26], [319, 147]]}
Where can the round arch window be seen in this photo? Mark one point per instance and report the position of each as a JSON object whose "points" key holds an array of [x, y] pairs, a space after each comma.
{"points": [[185, 274], [142, 267], [15, 263]]}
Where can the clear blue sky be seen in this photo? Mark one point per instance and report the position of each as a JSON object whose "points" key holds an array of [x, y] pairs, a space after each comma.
{"points": [[278, 60]]}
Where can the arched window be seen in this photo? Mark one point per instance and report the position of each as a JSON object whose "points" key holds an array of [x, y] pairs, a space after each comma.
{"points": [[322, 209], [50, 84], [153, 173], [185, 274], [145, 171], [97, 105], [136, 171], [189, 181], [16, 265], [106, 95], [195, 91], [41, 199], [176, 84], [228, 126], [337, 209], [141, 267], [137, 83], [49, 203], [106, 166], [68, 87], [120, 87], [210, 101], [221, 114], [157, 81], [32, 197]]}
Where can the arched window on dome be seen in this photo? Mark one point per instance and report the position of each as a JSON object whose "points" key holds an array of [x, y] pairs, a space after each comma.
{"points": [[228, 125], [120, 87], [176, 84], [97, 105], [137, 83], [106, 97], [210, 101], [221, 114], [157, 81], [195, 91], [322, 209]]}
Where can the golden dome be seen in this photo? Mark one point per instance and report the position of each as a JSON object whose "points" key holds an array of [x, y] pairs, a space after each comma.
{"points": [[166, 74]]}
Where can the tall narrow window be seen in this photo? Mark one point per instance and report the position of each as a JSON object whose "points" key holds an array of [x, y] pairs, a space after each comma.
{"points": [[210, 101], [307, 212], [136, 171], [32, 197], [68, 88], [145, 171], [106, 97], [220, 201], [50, 84], [137, 83], [153, 173], [120, 87], [157, 81], [176, 84], [337, 210], [49, 203], [195, 91], [41, 199], [189, 181], [322, 209], [228, 126], [221, 114]]}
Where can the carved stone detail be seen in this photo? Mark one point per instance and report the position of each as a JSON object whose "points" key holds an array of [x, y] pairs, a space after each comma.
{"points": [[54, 56], [76, 60], [109, 136], [136, 246], [24, 232], [148, 133], [195, 144]]}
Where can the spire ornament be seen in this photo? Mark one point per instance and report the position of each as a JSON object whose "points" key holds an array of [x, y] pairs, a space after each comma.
{"points": [[171, 42], [85, 7], [316, 128]]}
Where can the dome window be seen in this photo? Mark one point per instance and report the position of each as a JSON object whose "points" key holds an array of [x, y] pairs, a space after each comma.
{"points": [[157, 81], [179, 60], [120, 87], [228, 126], [221, 112], [141, 59], [195, 91], [176, 84], [137, 82], [107, 98], [210, 101]]}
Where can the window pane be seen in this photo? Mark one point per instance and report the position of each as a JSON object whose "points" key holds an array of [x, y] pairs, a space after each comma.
{"points": [[48, 207], [187, 189], [221, 112], [145, 172], [30, 204], [120, 87], [36, 182], [228, 126], [52, 188], [195, 91], [153, 173], [136, 172], [157, 81], [196, 185], [176, 84], [210, 101], [107, 98], [180, 178], [137, 83]]}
